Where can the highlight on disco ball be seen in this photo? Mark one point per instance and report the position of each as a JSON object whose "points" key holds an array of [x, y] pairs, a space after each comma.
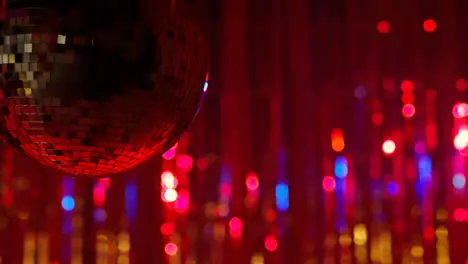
{"points": [[92, 98]]}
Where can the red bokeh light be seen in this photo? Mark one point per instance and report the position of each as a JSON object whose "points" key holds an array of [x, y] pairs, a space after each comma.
{"points": [[429, 25], [460, 110], [170, 154], [408, 110], [271, 244], [183, 202], [388, 147], [407, 86], [202, 164], [460, 215], [235, 227], [377, 119], [170, 249], [99, 195], [328, 184], [184, 162], [252, 183], [225, 189], [167, 229], [428, 233], [461, 85], [407, 98], [270, 215], [383, 27]]}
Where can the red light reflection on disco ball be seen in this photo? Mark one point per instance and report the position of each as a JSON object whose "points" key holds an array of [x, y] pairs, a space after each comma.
{"points": [[91, 98]]}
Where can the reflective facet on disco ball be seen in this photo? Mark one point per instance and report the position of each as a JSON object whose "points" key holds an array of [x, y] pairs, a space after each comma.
{"points": [[97, 87]]}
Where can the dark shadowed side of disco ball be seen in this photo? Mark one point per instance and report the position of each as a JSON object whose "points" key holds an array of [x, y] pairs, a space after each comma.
{"points": [[95, 87]]}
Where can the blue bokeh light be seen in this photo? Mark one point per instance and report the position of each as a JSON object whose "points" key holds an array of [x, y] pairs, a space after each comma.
{"points": [[392, 188], [68, 203], [459, 181], [425, 169], [341, 167], [282, 197]]}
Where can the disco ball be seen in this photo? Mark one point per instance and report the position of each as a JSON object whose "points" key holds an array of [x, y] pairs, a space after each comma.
{"points": [[93, 88]]}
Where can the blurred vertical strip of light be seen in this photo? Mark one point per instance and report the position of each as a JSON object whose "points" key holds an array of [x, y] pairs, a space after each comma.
{"points": [[99, 197], [101, 247], [377, 213], [282, 187], [225, 186], [100, 215], [43, 248], [68, 205], [282, 197], [6, 176], [130, 200], [125, 236], [329, 182], [360, 169], [341, 170], [252, 185], [29, 250]]}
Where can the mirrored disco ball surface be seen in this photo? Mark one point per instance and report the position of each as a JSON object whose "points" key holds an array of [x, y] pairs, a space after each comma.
{"points": [[95, 88]]}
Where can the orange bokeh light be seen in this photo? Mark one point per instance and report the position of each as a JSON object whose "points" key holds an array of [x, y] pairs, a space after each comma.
{"points": [[337, 139]]}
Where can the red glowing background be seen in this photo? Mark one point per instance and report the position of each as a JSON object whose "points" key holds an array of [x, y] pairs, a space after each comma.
{"points": [[330, 134]]}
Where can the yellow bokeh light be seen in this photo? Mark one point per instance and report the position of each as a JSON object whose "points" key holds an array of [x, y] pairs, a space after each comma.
{"points": [[417, 251], [257, 259], [441, 232], [441, 215], [360, 235], [345, 240]]}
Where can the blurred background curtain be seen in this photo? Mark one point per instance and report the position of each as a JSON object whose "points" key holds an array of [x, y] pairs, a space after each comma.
{"points": [[327, 136]]}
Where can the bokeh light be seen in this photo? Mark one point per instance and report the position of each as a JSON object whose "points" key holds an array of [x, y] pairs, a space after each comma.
{"points": [[170, 249], [168, 180], [167, 228], [271, 243], [460, 141], [184, 162], [377, 118], [235, 228], [360, 92], [388, 147], [383, 27], [341, 167], [392, 188], [407, 86], [460, 215], [252, 182], [460, 110], [170, 195], [408, 110], [68, 203], [461, 85], [429, 25], [328, 184], [282, 196], [337, 140], [459, 181]]}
